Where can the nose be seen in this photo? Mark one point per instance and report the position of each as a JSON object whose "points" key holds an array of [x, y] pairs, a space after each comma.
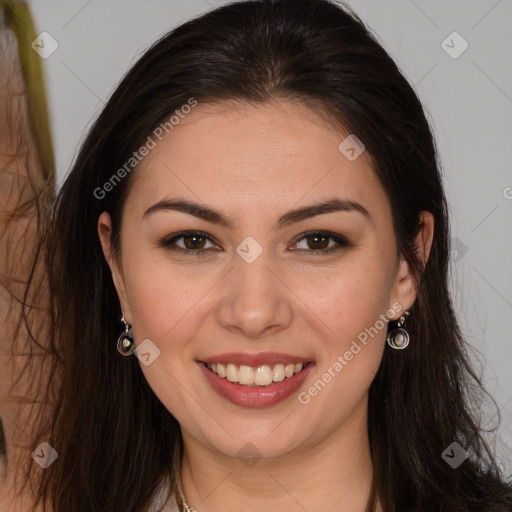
{"points": [[256, 301]]}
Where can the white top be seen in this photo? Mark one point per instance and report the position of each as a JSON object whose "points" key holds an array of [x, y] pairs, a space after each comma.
{"points": [[159, 499]]}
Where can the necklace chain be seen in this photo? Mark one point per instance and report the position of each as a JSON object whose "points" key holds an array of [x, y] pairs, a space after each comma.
{"points": [[178, 488]]}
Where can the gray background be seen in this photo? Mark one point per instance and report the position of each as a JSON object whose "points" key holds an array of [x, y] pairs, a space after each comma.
{"points": [[469, 100]]}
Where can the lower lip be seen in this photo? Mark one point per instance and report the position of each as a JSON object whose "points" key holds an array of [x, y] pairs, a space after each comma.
{"points": [[256, 396]]}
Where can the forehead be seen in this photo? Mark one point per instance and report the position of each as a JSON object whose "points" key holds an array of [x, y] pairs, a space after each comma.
{"points": [[256, 157]]}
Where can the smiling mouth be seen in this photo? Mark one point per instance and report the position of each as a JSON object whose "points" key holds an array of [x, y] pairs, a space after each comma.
{"points": [[264, 375]]}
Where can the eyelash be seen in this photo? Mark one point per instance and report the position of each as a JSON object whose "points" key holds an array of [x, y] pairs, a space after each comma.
{"points": [[169, 243]]}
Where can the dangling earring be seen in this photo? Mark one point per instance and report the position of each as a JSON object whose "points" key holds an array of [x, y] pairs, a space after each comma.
{"points": [[125, 343], [399, 338]]}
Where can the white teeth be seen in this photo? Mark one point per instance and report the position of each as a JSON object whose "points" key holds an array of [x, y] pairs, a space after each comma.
{"points": [[232, 373], [260, 376], [246, 375], [278, 373], [263, 376]]}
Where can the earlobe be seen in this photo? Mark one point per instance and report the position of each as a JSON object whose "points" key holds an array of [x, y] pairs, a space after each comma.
{"points": [[406, 289]]}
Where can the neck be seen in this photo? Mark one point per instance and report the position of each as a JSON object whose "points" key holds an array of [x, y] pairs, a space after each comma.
{"points": [[335, 474]]}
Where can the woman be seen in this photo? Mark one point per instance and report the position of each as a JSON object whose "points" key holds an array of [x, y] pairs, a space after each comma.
{"points": [[260, 204]]}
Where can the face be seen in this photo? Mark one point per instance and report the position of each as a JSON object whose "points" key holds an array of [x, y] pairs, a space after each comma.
{"points": [[242, 283]]}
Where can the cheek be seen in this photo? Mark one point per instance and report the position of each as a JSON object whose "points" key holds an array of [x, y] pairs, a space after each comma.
{"points": [[353, 306], [164, 299], [350, 297], [167, 308], [350, 305], [341, 386]]}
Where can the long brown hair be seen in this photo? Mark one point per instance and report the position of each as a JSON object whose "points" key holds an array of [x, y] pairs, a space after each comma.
{"points": [[26, 193], [115, 439]]}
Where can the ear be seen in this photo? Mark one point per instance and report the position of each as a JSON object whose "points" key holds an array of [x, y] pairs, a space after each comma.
{"points": [[105, 235], [405, 288]]}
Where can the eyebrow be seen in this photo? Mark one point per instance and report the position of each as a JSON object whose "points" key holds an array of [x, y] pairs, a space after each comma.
{"points": [[291, 217]]}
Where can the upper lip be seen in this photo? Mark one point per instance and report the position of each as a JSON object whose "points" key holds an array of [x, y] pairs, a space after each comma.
{"points": [[255, 360]]}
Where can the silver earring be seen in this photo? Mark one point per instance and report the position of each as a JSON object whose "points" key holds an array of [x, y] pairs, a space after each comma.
{"points": [[399, 338], [125, 343]]}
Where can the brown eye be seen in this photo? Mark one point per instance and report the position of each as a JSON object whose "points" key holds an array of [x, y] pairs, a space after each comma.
{"points": [[317, 242], [193, 242]]}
